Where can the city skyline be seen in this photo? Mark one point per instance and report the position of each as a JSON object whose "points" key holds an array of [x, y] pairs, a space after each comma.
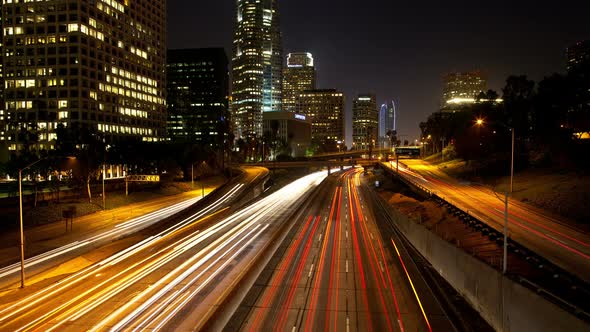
{"points": [[406, 57]]}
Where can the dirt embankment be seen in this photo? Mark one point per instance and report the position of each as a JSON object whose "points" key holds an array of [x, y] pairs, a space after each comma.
{"points": [[558, 191]]}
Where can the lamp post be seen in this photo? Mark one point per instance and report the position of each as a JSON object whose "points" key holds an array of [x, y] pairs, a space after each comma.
{"points": [[193, 180], [104, 199], [20, 210], [480, 122]]}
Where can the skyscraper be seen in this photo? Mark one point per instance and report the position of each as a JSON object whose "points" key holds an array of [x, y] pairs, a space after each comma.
{"points": [[257, 65], [387, 118], [298, 76], [198, 92], [97, 64], [578, 54], [365, 121], [460, 88], [387, 122], [326, 110]]}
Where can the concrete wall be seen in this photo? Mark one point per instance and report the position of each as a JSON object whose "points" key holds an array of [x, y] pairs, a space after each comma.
{"points": [[503, 303]]}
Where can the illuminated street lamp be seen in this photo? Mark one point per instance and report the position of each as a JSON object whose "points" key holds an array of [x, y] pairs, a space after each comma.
{"points": [[480, 122]]}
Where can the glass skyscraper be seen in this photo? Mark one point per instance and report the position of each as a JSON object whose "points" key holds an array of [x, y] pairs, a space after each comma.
{"points": [[256, 65]]}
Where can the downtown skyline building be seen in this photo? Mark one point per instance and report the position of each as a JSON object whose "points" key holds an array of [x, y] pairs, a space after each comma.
{"points": [[257, 65], [578, 54], [462, 88], [387, 122], [299, 75], [365, 122], [97, 65], [325, 108], [198, 96]]}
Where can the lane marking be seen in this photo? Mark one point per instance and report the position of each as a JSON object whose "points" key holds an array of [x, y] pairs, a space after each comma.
{"points": [[310, 271]]}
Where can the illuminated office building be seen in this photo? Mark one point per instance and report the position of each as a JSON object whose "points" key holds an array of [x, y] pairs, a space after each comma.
{"points": [[298, 76], [325, 108], [365, 122], [462, 88], [197, 98], [97, 64], [257, 65], [578, 54]]}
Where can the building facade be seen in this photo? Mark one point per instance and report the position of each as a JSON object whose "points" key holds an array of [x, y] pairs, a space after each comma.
{"points": [[325, 108], [462, 88], [289, 128], [298, 76], [387, 123], [365, 122], [99, 65], [578, 54], [257, 65], [198, 94]]}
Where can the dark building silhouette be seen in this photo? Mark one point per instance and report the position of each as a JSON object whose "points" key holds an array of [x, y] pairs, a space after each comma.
{"points": [[198, 89], [578, 54]]}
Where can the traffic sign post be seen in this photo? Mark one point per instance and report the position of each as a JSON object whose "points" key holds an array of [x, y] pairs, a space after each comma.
{"points": [[139, 178]]}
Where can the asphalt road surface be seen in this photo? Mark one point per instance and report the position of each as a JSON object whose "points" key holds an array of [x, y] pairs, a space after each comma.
{"points": [[337, 273], [171, 280]]}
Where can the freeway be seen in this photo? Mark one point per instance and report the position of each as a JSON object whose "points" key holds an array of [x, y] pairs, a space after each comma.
{"points": [[101, 229], [337, 273], [537, 230], [171, 280]]}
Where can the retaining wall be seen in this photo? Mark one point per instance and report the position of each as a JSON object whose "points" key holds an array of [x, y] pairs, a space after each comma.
{"points": [[503, 303]]}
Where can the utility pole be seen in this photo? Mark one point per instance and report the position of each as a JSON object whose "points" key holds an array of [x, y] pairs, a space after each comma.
{"points": [[505, 259], [512, 165], [22, 236], [104, 199]]}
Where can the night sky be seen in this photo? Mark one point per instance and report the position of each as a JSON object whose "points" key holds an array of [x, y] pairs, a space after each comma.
{"points": [[400, 49]]}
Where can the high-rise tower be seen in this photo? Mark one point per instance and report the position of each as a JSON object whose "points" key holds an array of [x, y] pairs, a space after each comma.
{"points": [[97, 65], [299, 76], [387, 123], [197, 99], [365, 122], [256, 65]]}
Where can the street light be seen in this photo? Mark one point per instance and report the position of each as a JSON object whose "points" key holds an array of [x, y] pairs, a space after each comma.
{"points": [[193, 180], [20, 210], [480, 122]]}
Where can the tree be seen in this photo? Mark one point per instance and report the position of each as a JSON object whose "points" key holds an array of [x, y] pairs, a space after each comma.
{"points": [[518, 97], [84, 142]]}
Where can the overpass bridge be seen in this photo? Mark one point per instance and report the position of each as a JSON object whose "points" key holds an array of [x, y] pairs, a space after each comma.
{"points": [[319, 164]]}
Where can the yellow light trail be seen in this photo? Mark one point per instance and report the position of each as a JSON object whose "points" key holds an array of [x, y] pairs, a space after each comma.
{"points": [[412, 284]]}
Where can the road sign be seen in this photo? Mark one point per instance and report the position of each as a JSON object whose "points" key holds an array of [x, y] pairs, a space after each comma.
{"points": [[143, 178]]}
